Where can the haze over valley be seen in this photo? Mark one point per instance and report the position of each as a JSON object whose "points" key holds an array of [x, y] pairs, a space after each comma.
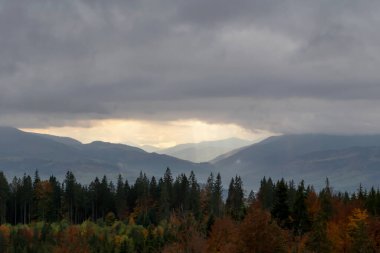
{"points": [[347, 161]]}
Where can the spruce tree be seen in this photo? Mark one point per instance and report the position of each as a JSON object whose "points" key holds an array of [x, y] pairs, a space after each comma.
{"points": [[4, 194], [325, 197], [70, 195], [235, 199], [26, 198], [280, 209], [230, 197], [55, 208], [301, 220], [217, 202], [120, 198], [194, 196], [266, 194]]}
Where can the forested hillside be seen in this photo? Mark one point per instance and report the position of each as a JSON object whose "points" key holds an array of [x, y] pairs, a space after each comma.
{"points": [[177, 214]]}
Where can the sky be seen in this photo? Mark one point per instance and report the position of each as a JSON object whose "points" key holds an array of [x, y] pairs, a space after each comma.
{"points": [[163, 72]]}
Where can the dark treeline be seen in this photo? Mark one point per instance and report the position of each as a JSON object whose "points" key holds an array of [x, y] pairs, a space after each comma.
{"points": [[280, 217], [28, 199]]}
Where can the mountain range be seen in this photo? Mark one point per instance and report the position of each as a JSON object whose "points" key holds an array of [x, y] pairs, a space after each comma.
{"points": [[347, 160], [23, 152], [203, 151]]}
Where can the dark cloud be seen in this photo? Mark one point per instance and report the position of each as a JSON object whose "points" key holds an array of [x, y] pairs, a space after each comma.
{"points": [[285, 66]]}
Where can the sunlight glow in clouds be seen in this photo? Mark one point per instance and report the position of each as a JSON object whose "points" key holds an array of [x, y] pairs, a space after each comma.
{"points": [[157, 133]]}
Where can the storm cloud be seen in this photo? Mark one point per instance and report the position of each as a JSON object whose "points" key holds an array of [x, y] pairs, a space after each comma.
{"points": [[285, 66]]}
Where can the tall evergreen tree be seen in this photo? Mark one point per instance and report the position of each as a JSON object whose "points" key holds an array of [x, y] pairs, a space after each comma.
{"points": [[166, 186], [4, 194], [208, 205], [300, 215], [194, 196], [251, 197], [55, 214], [230, 197], [26, 198], [70, 195], [325, 197], [280, 209], [217, 192], [154, 192], [15, 188], [266, 193], [36, 182], [164, 203], [120, 198], [95, 196], [235, 199], [181, 193]]}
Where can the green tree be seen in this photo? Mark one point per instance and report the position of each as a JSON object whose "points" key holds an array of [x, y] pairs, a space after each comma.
{"points": [[26, 200], [70, 189], [4, 194], [56, 199], [217, 202], [165, 202], [235, 199], [325, 197], [300, 215], [266, 194], [194, 196], [120, 198], [280, 209], [15, 196]]}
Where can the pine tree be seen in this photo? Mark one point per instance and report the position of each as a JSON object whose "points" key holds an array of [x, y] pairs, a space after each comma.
{"points": [[208, 208], [371, 202], [325, 197], [166, 186], [266, 194], [153, 189], [70, 195], [301, 220], [120, 198], [36, 181], [194, 196], [239, 199], [94, 193], [217, 202], [280, 209], [292, 192], [26, 198], [181, 193], [251, 197], [235, 201], [15, 189], [4, 194], [56, 199], [230, 197]]}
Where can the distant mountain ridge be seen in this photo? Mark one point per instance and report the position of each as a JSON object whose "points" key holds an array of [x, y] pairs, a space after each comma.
{"points": [[204, 151], [346, 160], [23, 152], [63, 140]]}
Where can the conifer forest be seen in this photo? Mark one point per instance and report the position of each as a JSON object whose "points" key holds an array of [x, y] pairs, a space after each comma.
{"points": [[178, 214]]}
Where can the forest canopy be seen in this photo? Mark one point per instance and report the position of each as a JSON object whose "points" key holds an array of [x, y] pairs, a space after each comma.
{"points": [[180, 215]]}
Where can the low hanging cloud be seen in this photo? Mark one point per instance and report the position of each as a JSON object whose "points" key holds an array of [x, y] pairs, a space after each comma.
{"points": [[283, 66]]}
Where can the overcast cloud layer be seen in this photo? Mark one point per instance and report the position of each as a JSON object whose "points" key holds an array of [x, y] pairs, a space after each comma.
{"points": [[286, 66]]}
